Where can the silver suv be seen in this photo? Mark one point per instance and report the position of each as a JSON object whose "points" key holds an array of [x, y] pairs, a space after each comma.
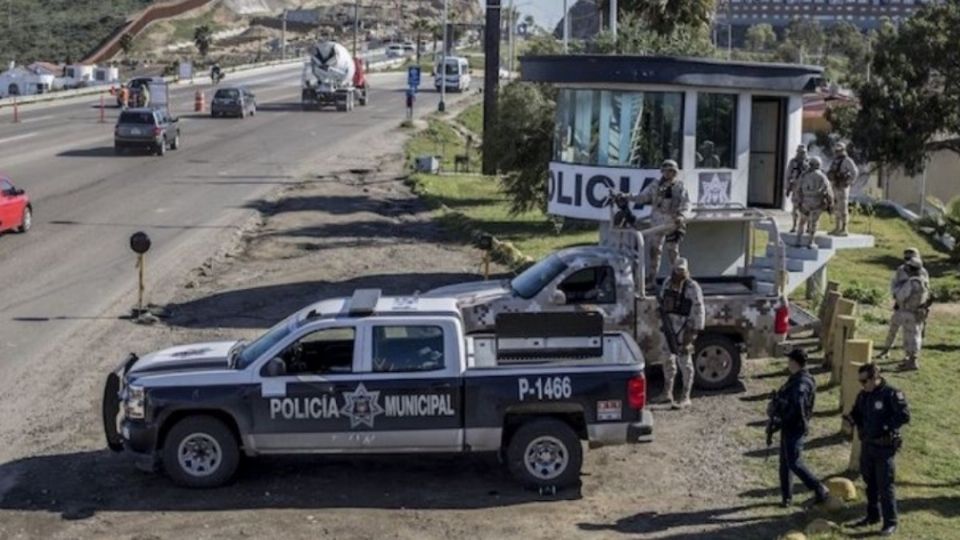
{"points": [[150, 129], [233, 101]]}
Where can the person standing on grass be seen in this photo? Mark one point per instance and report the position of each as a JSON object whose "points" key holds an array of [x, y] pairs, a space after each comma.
{"points": [[790, 411], [900, 277], [879, 413]]}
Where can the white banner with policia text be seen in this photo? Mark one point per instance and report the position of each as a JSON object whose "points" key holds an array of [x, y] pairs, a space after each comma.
{"points": [[579, 191]]}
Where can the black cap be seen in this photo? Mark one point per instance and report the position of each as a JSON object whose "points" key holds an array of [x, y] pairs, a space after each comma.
{"points": [[799, 356]]}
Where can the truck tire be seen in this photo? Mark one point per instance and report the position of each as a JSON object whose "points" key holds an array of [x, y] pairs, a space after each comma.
{"points": [[200, 452], [364, 98], [545, 452], [162, 147], [716, 362], [175, 145]]}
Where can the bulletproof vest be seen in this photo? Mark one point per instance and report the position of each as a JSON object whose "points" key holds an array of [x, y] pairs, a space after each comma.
{"points": [[920, 294], [665, 201], [676, 302]]}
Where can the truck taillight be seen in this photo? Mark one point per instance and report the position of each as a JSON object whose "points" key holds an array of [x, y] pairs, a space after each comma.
{"points": [[781, 323], [637, 392]]}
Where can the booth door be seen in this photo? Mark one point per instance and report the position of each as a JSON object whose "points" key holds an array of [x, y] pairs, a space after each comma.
{"points": [[766, 148]]}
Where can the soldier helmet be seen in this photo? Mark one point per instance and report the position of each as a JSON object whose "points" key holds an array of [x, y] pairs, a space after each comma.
{"points": [[840, 147], [815, 162], [911, 253], [669, 164], [682, 264]]}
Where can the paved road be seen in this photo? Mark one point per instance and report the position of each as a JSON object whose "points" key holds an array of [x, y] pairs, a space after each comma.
{"points": [[75, 265]]}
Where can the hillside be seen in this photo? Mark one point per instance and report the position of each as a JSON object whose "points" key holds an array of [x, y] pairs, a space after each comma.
{"points": [[62, 30], [58, 30]]}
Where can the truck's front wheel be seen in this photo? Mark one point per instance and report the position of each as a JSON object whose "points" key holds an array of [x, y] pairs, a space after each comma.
{"points": [[716, 362], [200, 452], [545, 452]]}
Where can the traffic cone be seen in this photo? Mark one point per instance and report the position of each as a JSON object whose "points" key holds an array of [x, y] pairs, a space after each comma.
{"points": [[198, 101]]}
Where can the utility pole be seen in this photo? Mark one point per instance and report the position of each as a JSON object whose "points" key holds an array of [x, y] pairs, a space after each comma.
{"points": [[443, 63], [356, 25], [729, 29], [511, 23], [566, 28], [420, 21], [283, 37], [491, 82], [613, 19]]}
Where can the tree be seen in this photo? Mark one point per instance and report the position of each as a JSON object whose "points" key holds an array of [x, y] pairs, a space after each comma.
{"points": [[634, 36], [807, 36], [760, 37], [910, 106], [203, 38], [522, 141], [126, 44], [666, 16], [847, 40]]}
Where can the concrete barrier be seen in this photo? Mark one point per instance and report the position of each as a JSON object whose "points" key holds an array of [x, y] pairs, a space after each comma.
{"points": [[826, 323], [844, 308], [844, 330], [857, 353]]}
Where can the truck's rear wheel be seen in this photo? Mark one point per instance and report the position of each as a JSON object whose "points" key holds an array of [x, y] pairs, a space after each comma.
{"points": [[545, 452], [716, 362], [200, 452]]}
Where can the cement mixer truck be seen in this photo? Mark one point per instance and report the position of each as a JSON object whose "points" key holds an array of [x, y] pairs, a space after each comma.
{"points": [[332, 77]]}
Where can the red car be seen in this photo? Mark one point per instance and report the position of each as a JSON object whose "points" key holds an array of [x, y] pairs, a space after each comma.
{"points": [[15, 210]]}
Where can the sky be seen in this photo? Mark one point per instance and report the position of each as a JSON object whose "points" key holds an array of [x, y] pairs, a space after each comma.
{"points": [[546, 13]]}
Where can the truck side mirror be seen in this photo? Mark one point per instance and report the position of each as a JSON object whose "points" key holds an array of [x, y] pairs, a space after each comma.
{"points": [[275, 367], [558, 298]]}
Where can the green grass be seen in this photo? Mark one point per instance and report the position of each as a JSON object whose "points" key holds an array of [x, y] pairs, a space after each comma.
{"points": [[928, 468], [472, 118], [476, 202]]}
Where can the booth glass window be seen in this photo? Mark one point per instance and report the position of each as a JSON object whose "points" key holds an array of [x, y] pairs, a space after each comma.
{"points": [[716, 131], [617, 128]]}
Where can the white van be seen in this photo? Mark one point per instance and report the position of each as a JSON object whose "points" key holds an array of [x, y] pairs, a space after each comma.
{"points": [[456, 75]]}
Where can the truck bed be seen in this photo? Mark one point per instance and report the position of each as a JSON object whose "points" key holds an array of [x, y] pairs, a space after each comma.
{"points": [[618, 350], [723, 285]]}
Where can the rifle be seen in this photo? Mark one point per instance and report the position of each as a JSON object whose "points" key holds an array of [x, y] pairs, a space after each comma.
{"points": [[666, 326], [774, 421]]}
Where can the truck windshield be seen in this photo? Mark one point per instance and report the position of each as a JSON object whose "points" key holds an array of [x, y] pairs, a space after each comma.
{"points": [[262, 344], [535, 278]]}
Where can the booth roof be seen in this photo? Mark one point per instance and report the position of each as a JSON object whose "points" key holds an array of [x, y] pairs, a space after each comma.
{"points": [[674, 71]]}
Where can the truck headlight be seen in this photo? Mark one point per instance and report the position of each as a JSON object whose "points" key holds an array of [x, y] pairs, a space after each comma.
{"points": [[133, 405]]}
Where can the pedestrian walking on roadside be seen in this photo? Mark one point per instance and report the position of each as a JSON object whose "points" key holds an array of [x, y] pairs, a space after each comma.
{"points": [[790, 411], [878, 413]]}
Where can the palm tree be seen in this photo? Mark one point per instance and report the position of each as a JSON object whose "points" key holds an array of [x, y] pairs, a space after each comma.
{"points": [[203, 38]]}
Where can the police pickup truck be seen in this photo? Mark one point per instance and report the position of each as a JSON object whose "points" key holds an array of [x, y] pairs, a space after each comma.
{"points": [[741, 317], [373, 374]]}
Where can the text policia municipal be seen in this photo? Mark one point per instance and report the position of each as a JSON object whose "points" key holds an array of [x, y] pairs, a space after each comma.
{"points": [[326, 407]]}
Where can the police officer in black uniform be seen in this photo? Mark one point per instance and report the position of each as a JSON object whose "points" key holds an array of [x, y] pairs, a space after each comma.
{"points": [[790, 411], [879, 413]]}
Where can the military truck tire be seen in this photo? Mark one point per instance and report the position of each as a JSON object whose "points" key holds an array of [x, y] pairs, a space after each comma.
{"points": [[716, 362], [545, 452], [200, 452]]}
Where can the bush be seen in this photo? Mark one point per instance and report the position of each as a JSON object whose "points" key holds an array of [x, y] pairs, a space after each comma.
{"points": [[865, 294], [945, 293]]}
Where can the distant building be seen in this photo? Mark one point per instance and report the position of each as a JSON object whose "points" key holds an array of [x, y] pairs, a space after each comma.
{"points": [[864, 14], [25, 81]]}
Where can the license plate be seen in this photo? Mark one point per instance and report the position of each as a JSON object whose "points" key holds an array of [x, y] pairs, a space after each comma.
{"points": [[135, 131], [609, 410]]}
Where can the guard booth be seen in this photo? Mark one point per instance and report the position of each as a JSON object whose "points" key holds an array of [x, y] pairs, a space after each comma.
{"points": [[731, 126]]}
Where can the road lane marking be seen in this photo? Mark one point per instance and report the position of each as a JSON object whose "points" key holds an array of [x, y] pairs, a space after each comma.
{"points": [[18, 137], [38, 118]]}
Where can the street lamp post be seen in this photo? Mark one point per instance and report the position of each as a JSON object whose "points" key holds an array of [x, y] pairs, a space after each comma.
{"points": [[356, 25], [442, 70]]}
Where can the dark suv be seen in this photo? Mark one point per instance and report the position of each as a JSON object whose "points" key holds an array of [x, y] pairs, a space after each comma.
{"points": [[233, 101], [152, 129]]}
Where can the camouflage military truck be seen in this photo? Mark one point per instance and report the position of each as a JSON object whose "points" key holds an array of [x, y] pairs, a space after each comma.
{"points": [[742, 319]]}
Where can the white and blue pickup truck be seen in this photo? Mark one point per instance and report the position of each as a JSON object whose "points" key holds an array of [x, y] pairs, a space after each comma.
{"points": [[373, 374]]}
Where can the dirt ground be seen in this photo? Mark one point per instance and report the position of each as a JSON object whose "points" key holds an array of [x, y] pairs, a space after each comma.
{"points": [[322, 237]]}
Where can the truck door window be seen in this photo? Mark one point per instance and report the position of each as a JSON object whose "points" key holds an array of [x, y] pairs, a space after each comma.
{"points": [[594, 285], [327, 351], [407, 348]]}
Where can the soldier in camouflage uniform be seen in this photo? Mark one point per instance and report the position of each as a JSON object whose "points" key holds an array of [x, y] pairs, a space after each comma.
{"points": [[911, 313], [815, 197], [682, 299], [795, 170], [843, 172], [899, 278], [671, 206]]}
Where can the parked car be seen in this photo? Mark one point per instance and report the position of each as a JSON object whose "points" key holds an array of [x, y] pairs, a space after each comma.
{"points": [[16, 212], [395, 50], [233, 101], [151, 129], [373, 375]]}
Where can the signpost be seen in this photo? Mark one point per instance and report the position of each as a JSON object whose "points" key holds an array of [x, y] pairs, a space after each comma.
{"points": [[413, 84], [140, 244]]}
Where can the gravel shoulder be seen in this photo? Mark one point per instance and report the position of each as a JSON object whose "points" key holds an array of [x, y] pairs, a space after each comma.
{"points": [[356, 226]]}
